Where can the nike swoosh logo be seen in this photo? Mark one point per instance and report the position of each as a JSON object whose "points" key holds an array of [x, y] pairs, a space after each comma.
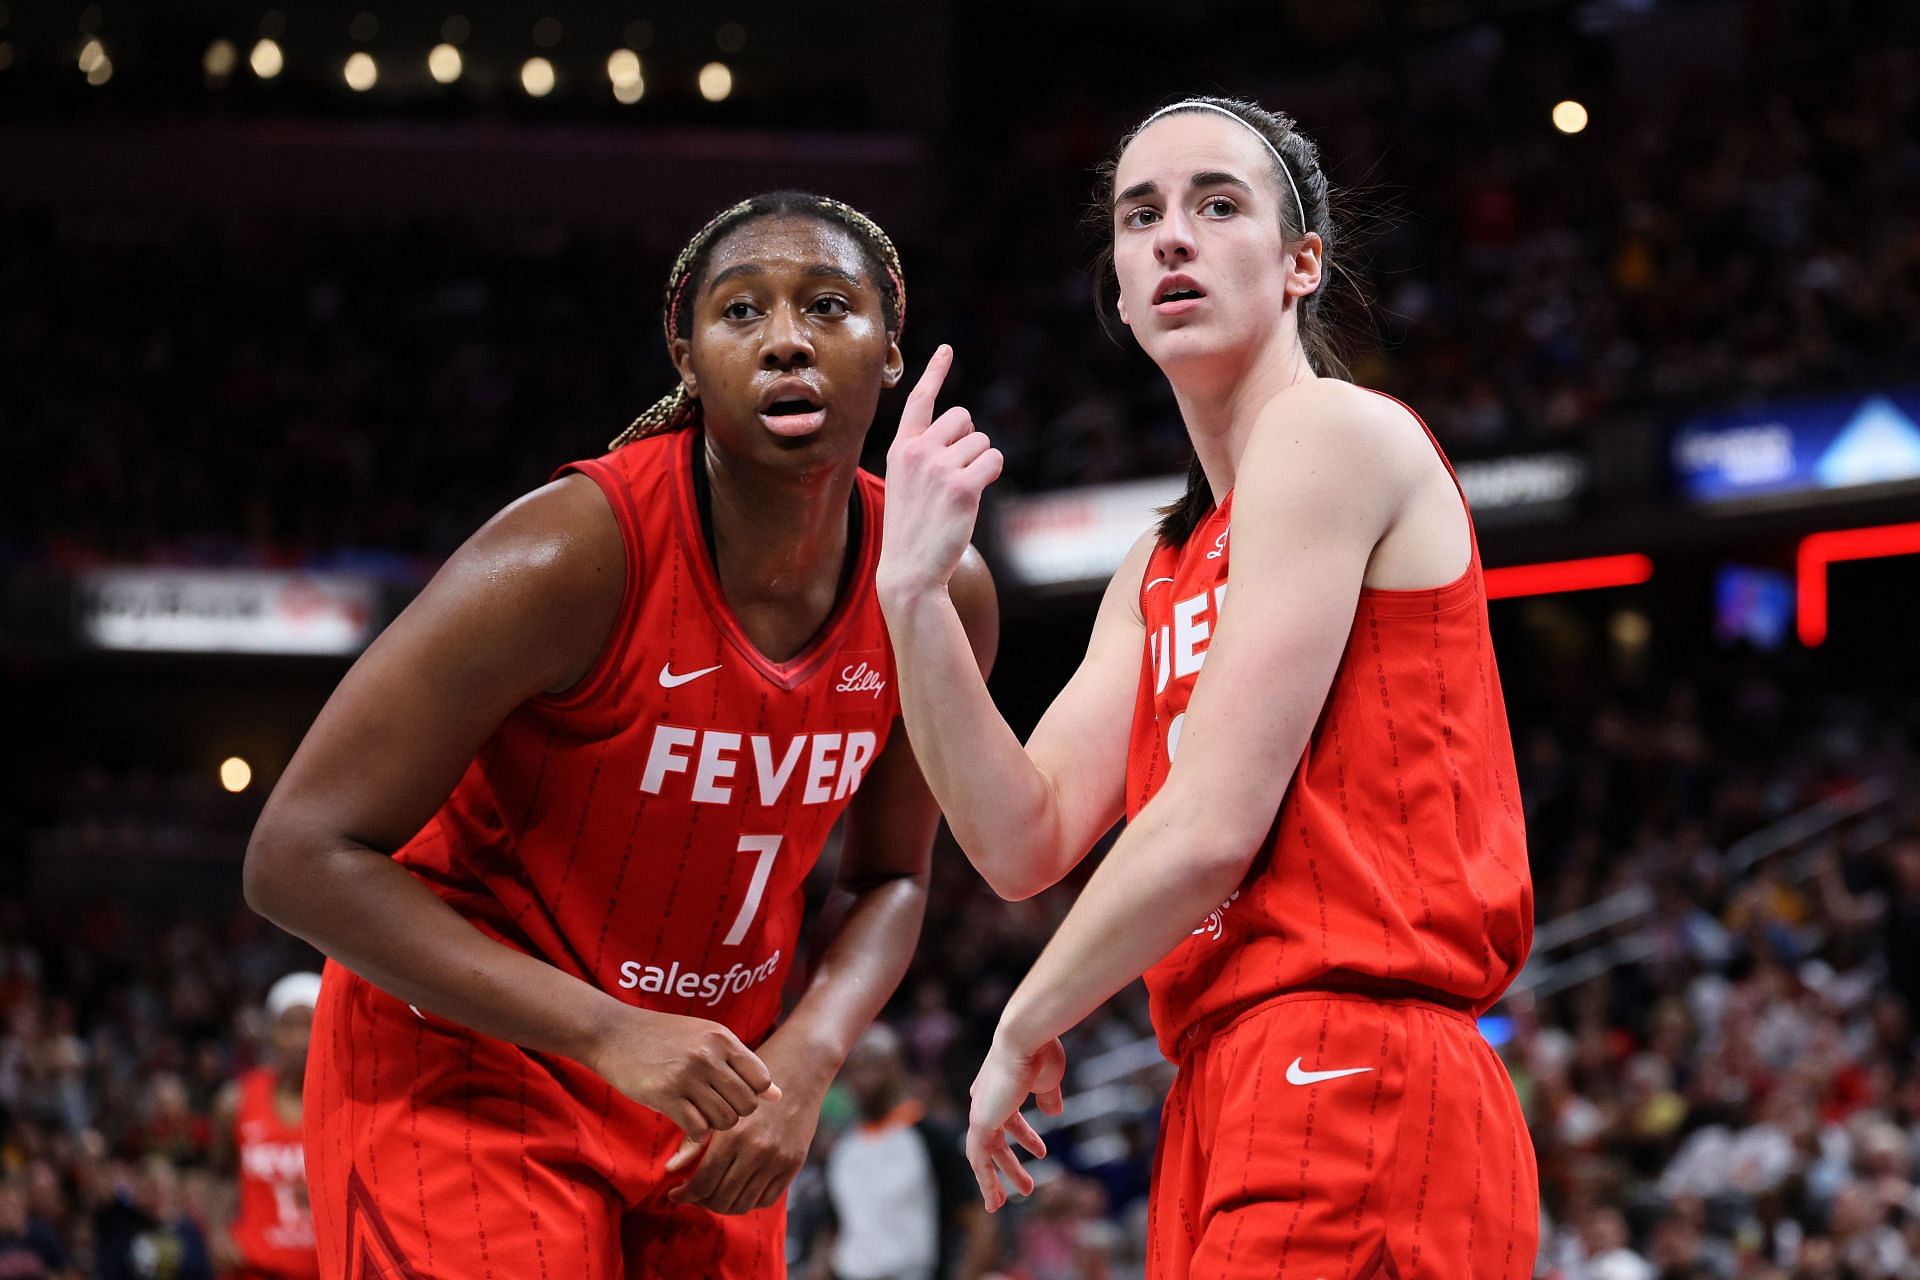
{"points": [[1156, 582], [1296, 1076], [668, 680]]}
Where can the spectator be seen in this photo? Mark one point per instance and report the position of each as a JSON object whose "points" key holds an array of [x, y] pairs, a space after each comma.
{"points": [[143, 1232], [905, 1205], [28, 1247]]}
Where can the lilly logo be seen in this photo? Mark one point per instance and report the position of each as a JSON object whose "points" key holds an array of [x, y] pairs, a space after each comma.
{"points": [[859, 677]]}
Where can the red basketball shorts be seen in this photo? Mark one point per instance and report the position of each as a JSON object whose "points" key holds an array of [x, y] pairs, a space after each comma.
{"points": [[1335, 1137], [434, 1153]]}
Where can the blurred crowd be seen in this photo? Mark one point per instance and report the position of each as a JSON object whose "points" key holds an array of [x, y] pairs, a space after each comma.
{"points": [[1739, 1100], [1742, 1099], [119, 1028], [248, 388]]}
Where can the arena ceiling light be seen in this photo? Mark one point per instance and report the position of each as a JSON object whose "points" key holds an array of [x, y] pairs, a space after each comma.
{"points": [[1819, 550], [266, 59], [220, 59], [236, 775], [1569, 116], [536, 77], [716, 81], [444, 64], [94, 62], [1555, 576], [623, 69], [362, 72]]}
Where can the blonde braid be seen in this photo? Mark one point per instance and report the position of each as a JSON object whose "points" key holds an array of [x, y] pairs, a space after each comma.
{"points": [[677, 409]]}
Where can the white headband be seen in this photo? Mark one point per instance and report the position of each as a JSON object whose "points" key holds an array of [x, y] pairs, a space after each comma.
{"points": [[1194, 104]]}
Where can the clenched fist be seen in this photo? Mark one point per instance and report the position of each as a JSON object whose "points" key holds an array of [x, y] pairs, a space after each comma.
{"points": [[694, 1072]]}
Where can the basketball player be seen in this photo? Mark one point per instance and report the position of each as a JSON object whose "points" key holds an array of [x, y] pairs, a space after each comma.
{"points": [[257, 1140], [552, 827], [1324, 875]]}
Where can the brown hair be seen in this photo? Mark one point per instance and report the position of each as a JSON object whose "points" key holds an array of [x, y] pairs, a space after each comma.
{"points": [[1311, 212], [677, 409]]}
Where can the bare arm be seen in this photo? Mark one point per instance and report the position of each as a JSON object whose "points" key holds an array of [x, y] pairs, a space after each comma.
{"points": [[982, 1246], [875, 913], [1311, 505], [1024, 815], [884, 865], [524, 607], [225, 1152], [223, 1198]]}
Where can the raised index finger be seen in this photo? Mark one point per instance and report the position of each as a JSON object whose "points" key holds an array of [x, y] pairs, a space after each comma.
{"points": [[917, 416]]}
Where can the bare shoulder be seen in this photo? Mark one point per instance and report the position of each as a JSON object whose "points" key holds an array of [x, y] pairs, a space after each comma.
{"points": [[565, 524], [1343, 416], [1330, 431], [534, 591], [556, 548]]}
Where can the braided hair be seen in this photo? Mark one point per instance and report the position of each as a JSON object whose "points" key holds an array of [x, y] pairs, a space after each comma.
{"points": [[677, 409]]}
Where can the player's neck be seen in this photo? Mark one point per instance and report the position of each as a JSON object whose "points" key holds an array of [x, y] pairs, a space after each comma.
{"points": [[1220, 406], [780, 543]]}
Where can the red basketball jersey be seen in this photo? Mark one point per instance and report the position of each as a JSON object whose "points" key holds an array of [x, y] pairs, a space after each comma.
{"points": [[649, 830], [273, 1228], [1398, 860]]}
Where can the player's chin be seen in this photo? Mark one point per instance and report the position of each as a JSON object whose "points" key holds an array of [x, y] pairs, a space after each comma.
{"points": [[1180, 342], [1189, 340]]}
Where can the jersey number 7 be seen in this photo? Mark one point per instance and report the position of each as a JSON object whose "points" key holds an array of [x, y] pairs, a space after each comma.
{"points": [[766, 847]]}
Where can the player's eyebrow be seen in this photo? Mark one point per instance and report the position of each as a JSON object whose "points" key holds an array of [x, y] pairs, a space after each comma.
{"points": [[745, 269], [833, 272], [1205, 178], [735, 272], [1221, 178]]}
